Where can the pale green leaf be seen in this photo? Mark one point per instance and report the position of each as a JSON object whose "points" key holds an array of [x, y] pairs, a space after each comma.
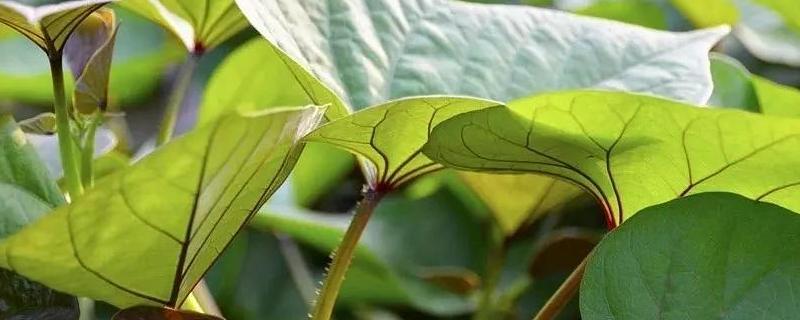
{"points": [[789, 10], [733, 86], [48, 26], [629, 151], [706, 256], [369, 54], [766, 35], [391, 135], [125, 244], [708, 13], [254, 77], [644, 13], [199, 24]]}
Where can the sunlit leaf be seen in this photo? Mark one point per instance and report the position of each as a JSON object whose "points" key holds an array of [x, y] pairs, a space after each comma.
{"points": [[89, 52], [644, 13], [708, 13], [609, 144], [515, 200], [706, 256], [777, 99], [123, 243], [391, 135], [199, 24], [48, 26], [27, 194], [254, 77]]}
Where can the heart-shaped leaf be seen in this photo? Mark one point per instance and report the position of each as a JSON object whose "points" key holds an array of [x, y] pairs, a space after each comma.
{"points": [[706, 256], [391, 135], [27, 194], [123, 243], [199, 24], [610, 145], [48, 26]]}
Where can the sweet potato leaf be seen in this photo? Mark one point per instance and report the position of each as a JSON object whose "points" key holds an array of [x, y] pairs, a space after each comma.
{"points": [[199, 24], [766, 35], [147, 234], [89, 51], [629, 151], [391, 135], [735, 87], [48, 26], [369, 54], [27, 194], [706, 256]]}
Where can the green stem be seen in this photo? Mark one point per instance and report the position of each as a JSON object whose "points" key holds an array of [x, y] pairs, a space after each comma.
{"points": [[564, 294], [343, 256], [65, 142], [87, 154], [176, 97]]}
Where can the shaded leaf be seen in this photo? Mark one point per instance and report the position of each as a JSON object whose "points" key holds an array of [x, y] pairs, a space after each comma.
{"points": [[608, 144], [42, 124], [787, 9], [127, 245], [391, 135], [562, 251], [733, 87], [27, 194], [156, 313], [89, 52], [706, 256], [48, 26], [766, 35], [199, 25]]}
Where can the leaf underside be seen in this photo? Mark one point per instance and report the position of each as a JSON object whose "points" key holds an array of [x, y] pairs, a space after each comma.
{"points": [[126, 244], [608, 144]]}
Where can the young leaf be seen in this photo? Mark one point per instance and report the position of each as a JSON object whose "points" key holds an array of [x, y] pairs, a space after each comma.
{"points": [[629, 151], [199, 25], [391, 135], [147, 234], [27, 194], [369, 54], [48, 26], [706, 256], [89, 52]]}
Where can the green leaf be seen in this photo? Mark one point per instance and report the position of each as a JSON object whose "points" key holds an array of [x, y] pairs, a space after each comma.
{"points": [[28, 193], [706, 256], [608, 144], [777, 99], [199, 25], [766, 35], [787, 9], [158, 313], [733, 87], [643, 13], [127, 245], [391, 135], [369, 55], [406, 277], [254, 77], [515, 200], [48, 26], [708, 13]]}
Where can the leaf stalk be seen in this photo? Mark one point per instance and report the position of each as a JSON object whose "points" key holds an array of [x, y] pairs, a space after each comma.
{"points": [[343, 255], [64, 130], [564, 294]]}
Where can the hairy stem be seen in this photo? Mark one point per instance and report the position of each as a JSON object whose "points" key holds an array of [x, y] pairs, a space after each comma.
{"points": [[343, 256], [63, 129], [564, 294], [176, 97]]}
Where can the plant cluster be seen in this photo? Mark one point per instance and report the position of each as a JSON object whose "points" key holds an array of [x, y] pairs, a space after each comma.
{"points": [[512, 158]]}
